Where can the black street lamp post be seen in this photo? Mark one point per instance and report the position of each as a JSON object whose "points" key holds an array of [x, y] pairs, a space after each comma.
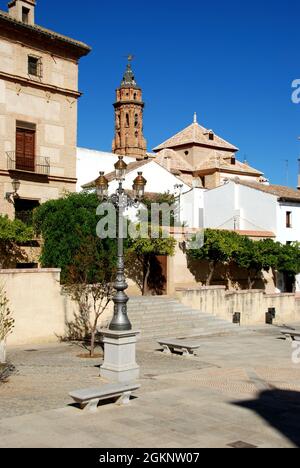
{"points": [[121, 202]]}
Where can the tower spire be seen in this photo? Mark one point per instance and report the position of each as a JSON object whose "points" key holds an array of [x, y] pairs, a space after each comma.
{"points": [[128, 78], [129, 107]]}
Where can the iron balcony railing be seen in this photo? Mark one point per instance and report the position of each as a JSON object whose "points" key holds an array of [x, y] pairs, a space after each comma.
{"points": [[36, 164]]}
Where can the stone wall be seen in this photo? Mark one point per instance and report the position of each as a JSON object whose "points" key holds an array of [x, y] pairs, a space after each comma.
{"points": [[49, 103], [183, 272], [40, 308], [253, 305]]}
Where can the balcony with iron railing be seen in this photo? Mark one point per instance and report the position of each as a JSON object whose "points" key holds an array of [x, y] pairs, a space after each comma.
{"points": [[34, 164]]}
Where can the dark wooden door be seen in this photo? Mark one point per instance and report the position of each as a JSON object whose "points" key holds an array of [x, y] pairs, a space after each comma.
{"points": [[25, 150]]}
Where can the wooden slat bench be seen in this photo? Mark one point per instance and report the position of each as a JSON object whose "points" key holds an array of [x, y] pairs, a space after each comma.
{"points": [[291, 335], [89, 399], [188, 348]]}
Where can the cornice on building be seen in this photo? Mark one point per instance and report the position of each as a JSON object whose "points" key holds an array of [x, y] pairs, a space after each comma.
{"points": [[76, 48], [40, 85]]}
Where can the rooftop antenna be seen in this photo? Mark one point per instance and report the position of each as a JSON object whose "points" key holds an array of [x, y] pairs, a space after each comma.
{"points": [[287, 172], [299, 170], [195, 118]]}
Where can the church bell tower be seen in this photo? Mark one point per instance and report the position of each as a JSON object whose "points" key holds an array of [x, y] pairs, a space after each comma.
{"points": [[129, 108]]}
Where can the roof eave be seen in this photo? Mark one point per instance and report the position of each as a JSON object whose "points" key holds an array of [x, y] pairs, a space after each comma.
{"points": [[81, 48], [289, 199], [194, 143]]}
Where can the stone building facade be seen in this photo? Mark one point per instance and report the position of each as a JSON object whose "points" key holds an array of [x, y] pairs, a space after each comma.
{"points": [[129, 107], [38, 110]]}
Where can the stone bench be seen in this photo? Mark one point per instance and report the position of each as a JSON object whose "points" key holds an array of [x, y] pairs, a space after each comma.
{"points": [[188, 348], [291, 335], [89, 399]]}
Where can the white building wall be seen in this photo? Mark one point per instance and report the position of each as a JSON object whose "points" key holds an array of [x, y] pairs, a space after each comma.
{"points": [[234, 206], [159, 180], [285, 234], [192, 208], [258, 210], [219, 207], [91, 162]]}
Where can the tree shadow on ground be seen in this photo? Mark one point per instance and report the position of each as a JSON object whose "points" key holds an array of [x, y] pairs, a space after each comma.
{"points": [[280, 409]]}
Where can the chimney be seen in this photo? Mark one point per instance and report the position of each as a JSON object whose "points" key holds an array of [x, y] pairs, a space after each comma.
{"points": [[22, 10]]}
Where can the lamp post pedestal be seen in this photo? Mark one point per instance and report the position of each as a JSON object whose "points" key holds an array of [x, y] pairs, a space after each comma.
{"points": [[120, 356]]}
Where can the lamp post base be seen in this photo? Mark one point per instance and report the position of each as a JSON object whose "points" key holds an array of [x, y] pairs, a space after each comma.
{"points": [[120, 356]]}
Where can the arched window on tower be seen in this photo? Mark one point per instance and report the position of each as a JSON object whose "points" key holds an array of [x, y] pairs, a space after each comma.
{"points": [[127, 119], [136, 120]]}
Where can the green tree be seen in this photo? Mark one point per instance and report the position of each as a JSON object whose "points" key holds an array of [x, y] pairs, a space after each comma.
{"points": [[161, 199], [288, 260], [13, 234], [67, 226], [219, 248], [255, 256], [145, 250]]}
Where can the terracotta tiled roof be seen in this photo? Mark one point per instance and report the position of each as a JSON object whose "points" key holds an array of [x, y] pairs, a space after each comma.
{"points": [[284, 193], [217, 161], [189, 179], [263, 234], [198, 135], [176, 163], [169, 158], [85, 49]]}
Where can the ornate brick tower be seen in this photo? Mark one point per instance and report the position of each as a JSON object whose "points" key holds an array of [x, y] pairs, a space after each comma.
{"points": [[129, 107]]}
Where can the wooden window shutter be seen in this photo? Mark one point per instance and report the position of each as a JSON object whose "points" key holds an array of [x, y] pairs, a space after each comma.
{"points": [[25, 150]]}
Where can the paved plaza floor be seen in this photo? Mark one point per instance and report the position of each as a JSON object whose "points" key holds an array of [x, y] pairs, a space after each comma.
{"points": [[242, 389]]}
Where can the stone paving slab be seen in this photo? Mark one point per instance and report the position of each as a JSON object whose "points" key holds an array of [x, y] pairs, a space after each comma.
{"points": [[239, 388]]}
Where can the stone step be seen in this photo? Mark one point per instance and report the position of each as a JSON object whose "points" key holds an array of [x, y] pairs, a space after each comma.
{"points": [[174, 325], [182, 319], [170, 316], [171, 313], [159, 317], [158, 309], [184, 330], [162, 322]]}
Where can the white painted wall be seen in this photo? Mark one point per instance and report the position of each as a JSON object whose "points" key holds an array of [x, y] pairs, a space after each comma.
{"points": [[159, 179], [258, 210], [285, 234], [219, 207], [91, 162], [192, 208], [234, 206]]}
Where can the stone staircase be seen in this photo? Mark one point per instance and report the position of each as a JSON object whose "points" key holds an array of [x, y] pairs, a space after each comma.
{"points": [[160, 317]]}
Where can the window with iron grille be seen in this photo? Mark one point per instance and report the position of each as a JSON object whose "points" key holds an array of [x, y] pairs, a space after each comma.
{"points": [[34, 66]]}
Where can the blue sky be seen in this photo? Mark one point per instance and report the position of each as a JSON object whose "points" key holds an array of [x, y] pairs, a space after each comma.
{"points": [[232, 62]]}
